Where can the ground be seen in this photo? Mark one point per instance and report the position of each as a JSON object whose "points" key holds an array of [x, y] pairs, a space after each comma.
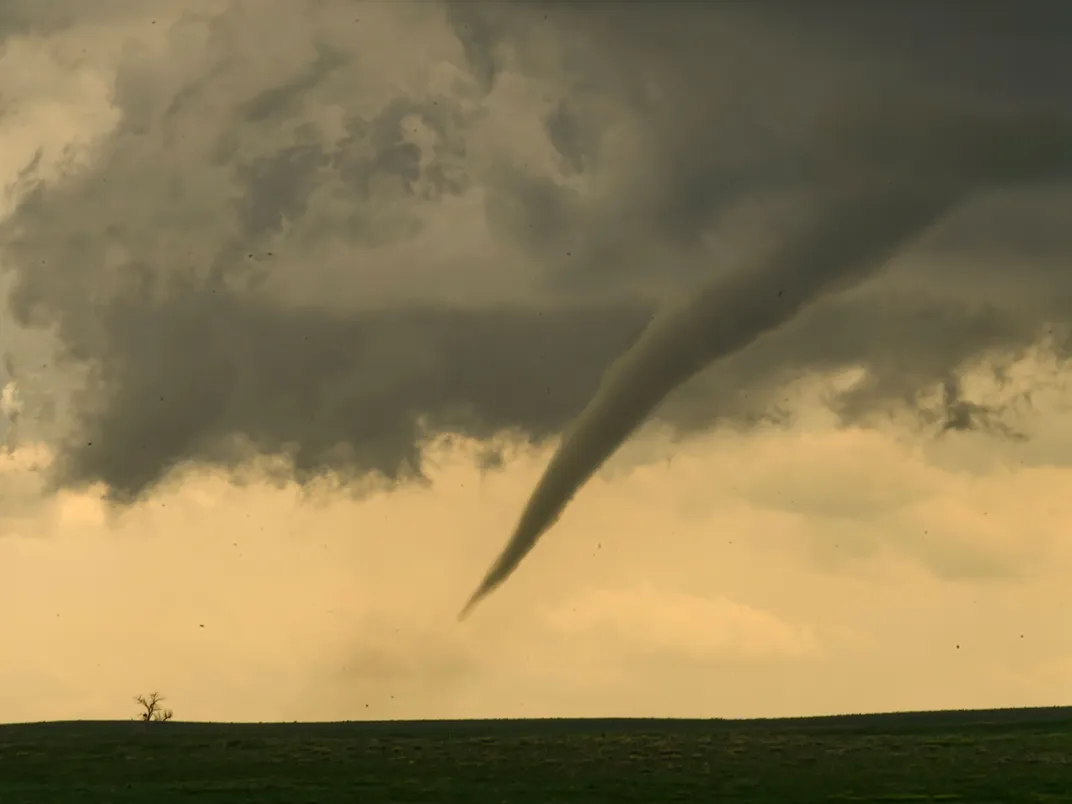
{"points": [[977, 757]]}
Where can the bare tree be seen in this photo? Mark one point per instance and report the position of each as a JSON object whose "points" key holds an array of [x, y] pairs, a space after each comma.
{"points": [[154, 712]]}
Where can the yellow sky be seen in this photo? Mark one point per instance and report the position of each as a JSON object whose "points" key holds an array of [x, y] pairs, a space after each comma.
{"points": [[806, 569], [810, 571]]}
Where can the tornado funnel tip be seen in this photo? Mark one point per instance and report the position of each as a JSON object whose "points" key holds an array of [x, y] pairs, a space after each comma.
{"points": [[471, 604]]}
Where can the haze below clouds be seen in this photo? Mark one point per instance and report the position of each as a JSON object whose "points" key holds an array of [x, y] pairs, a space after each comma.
{"points": [[301, 300]]}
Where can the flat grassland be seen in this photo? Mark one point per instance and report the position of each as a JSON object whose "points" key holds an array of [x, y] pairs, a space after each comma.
{"points": [[1002, 755]]}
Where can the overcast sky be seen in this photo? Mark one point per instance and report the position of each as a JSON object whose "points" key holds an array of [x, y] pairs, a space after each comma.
{"points": [[300, 295]]}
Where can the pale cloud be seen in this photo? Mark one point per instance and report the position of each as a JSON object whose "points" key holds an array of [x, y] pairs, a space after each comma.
{"points": [[646, 621], [22, 489], [10, 404]]}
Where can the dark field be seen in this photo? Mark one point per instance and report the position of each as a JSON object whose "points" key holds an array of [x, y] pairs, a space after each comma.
{"points": [[1005, 755]]}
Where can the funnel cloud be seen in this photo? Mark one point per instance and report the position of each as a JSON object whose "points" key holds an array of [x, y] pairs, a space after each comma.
{"points": [[424, 221], [851, 236]]}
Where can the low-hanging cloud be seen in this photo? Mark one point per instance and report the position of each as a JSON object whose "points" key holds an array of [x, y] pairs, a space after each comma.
{"points": [[853, 235], [343, 250]]}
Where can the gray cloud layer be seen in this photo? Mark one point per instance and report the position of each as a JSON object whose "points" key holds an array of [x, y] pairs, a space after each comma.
{"points": [[333, 232]]}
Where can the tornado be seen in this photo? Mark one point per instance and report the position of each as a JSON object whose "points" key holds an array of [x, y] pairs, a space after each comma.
{"points": [[852, 232]]}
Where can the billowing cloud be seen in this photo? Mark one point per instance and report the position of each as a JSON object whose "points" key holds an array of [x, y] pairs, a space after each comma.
{"points": [[416, 219]]}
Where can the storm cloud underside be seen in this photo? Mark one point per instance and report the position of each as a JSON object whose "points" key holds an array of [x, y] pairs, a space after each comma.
{"points": [[343, 251]]}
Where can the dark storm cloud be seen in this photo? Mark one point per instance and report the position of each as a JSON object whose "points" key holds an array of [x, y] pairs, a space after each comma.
{"points": [[757, 100], [30, 17], [243, 244], [47, 17], [356, 393]]}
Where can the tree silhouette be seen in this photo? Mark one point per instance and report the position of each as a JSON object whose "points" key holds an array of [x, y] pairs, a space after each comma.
{"points": [[154, 712]]}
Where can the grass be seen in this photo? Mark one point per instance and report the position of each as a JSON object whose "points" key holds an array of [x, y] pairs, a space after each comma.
{"points": [[978, 757]]}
